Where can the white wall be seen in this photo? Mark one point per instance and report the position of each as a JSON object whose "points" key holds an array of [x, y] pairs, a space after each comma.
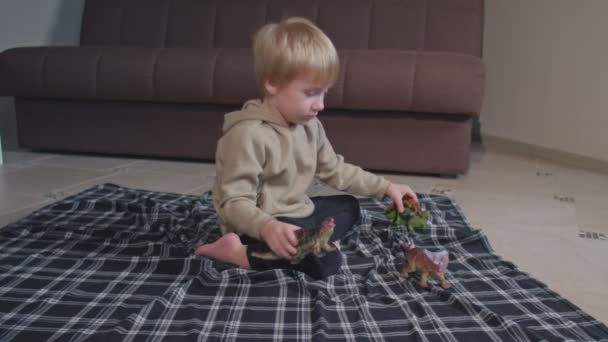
{"points": [[34, 23], [547, 74]]}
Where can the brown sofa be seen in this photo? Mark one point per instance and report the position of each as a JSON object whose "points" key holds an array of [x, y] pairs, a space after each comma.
{"points": [[154, 78]]}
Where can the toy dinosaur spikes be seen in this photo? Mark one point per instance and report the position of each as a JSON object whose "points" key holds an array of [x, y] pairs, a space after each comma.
{"points": [[427, 263], [413, 216]]}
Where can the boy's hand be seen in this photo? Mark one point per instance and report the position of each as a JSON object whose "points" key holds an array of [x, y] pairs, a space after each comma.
{"points": [[280, 237], [396, 193]]}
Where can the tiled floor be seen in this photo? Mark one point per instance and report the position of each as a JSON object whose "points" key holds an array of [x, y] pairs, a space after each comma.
{"points": [[534, 212]]}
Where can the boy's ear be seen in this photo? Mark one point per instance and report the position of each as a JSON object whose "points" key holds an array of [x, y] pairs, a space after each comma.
{"points": [[270, 88]]}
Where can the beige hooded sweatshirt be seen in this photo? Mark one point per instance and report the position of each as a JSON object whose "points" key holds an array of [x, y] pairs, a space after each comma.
{"points": [[263, 169]]}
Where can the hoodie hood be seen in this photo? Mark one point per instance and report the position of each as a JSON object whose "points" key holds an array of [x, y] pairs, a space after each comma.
{"points": [[252, 110]]}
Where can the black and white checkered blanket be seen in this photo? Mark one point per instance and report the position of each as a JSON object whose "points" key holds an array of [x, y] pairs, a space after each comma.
{"points": [[113, 264]]}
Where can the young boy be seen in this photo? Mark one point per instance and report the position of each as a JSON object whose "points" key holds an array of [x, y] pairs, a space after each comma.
{"points": [[272, 149]]}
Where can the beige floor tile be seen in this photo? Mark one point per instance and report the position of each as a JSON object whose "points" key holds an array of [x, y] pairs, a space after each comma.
{"points": [[601, 228], [592, 209], [177, 167], [594, 304], [512, 173], [5, 220], [38, 180], [6, 168], [556, 168], [13, 201], [145, 180], [13, 216], [593, 247], [498, 161], [505, 181], [15, 157], [99, 163], [576, 181], [549, 254], [502, 208], [584, 183]]}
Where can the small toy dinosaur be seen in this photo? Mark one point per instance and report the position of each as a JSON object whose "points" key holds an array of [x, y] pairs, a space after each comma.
{"points": [[313, 240], [413, 216], [427, 263]]}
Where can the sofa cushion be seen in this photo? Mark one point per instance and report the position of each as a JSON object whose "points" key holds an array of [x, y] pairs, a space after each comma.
{"points": [[376, 80], [437, 82], [128, 73]]}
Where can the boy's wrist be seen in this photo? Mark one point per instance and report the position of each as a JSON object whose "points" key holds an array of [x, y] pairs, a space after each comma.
{"points": [[253, 226], [387, 190], [265, 228]]}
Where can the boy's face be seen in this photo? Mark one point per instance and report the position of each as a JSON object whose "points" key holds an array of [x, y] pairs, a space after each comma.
{"points": [[297, 102]]}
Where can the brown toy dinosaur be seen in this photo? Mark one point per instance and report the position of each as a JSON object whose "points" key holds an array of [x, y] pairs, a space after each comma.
{"points": [[427, 263], [313, 240]]}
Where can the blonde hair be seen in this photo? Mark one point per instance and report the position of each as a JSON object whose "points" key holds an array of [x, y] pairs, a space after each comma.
{"points": [[294, 48]]}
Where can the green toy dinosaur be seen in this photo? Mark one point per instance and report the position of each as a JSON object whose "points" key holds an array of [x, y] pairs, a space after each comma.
{"points": [[413, 216], [313, 240]]}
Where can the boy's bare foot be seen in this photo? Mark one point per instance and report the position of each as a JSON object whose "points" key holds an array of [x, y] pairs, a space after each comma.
{"points": [[227, 249]]}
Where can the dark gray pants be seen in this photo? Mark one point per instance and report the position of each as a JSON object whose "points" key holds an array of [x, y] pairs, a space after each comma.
{"points": [[345, 211]]}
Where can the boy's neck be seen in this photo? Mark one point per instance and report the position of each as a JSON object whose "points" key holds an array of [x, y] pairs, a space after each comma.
{"points": [[267, 103]]}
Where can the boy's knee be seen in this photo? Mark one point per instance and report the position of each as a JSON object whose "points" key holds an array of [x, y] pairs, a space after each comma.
{"points": [[350, 201], [319, 268], [353, 207], [331, 263], [354, 204]]}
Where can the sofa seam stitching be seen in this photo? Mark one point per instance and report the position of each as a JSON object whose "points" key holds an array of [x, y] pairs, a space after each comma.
{"points": [[369, 27], [414, 76], [346, 57], [215, 13], [121, 25], [213, 75], [43, 70], [97, 64], [154, 78], [425, 25], [167, 16]]}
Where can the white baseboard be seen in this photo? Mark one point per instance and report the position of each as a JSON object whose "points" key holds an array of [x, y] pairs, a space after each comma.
{"points": [[572, 159]]}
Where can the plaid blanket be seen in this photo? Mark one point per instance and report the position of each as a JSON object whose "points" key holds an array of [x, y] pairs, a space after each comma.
{"points": [[113, 264]]}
